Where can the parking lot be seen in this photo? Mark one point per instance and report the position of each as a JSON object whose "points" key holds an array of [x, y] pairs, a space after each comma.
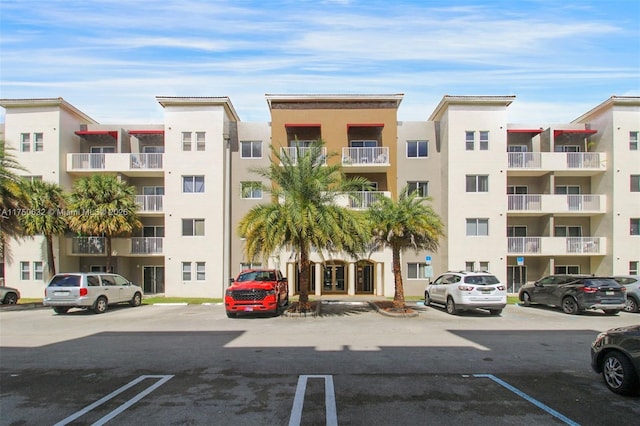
{"points": [[350, 365]]}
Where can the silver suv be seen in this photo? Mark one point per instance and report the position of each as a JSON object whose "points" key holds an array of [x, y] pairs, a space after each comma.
{"points": [[459, 291], [94, 291]]}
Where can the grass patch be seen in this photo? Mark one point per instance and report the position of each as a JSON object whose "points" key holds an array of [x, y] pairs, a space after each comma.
{"points": [[25, 301], [189, 300], [512, 300]]}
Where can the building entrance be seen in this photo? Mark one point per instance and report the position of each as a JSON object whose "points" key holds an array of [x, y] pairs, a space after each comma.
{"points": [[333, 278], [153, 279]]}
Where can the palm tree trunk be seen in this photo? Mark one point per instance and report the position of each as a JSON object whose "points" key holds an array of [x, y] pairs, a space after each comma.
{"points": [[50, 259], [304, 281], [108, 249], [398, 297]]}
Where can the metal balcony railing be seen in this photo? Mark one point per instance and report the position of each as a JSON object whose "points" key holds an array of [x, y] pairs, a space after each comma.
{"points": [[150, 203]]}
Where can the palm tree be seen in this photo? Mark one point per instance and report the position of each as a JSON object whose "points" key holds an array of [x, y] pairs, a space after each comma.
{"points": [[401, 225], [103, 205], [42, 216], [11, 198], [304, 213]]}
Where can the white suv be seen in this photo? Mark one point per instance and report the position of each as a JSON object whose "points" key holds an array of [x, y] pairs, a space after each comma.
{"points": [[459, 291]]}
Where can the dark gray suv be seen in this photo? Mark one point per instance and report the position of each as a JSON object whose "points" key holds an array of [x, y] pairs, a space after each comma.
{"points": [[576, 293]]}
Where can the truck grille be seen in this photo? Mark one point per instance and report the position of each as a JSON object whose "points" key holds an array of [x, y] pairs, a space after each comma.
{"points": [[248, 294]]}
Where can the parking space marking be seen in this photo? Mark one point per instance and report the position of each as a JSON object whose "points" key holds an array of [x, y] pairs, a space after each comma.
{"points": [[532, 400], [329, 400], [162, 380]]}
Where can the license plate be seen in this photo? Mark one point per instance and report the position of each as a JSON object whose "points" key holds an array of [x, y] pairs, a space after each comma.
{"points": [[609, 293], [61, 293], [248, 308]]}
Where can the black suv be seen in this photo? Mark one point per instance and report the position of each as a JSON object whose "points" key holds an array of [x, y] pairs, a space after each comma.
{"points": [[616, 354], [575, 293]]}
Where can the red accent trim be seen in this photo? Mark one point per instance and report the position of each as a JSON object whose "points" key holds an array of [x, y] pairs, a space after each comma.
{"points": [[574, 132], [302, 125], [364, 125], [146, 132], [112, 133], [536, 131]]}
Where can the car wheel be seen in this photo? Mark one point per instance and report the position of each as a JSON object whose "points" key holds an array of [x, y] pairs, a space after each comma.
{"points": [[495, 312], [618, 373], [569, 305], [631, 305], [427, 299], [451, 306], [100, 306], [136, 300], [231, 314], [526, 299], [60, 310], [10, 299], [611, 311]]}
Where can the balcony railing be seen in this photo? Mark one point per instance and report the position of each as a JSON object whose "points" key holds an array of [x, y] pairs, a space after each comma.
{"points": [[556, 245], [146, 245], [88, 245], [365, 156], [361, 200], [595, 161], [119, 246], [150, 203], [292, 153], [556, 203], [150, 160], [114, 162]]}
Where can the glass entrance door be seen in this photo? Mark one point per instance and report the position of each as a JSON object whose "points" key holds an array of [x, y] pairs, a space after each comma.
{"points": [[364, 277], [153, 279], [333, 278]]}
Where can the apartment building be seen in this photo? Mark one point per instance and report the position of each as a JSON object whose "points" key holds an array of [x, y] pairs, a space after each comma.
{"points": [[520, 200]]}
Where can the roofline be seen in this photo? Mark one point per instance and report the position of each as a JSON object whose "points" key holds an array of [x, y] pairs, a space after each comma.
{"points": [[448, 100], [301, 98], [612, 101], [199, 100], [38, 102]]}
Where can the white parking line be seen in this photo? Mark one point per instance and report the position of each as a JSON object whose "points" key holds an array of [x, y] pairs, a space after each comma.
{"points": [[121, 408], [329, 400]]}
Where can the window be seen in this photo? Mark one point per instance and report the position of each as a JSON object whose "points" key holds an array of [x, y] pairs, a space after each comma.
{"points": [[566, 269], [567, 148], [634, 265], [633, 141], [153, 190], [416, 271], [247, 265], [250, 149], [517, 231], [192, 183], [568, 189], [517, 148], [32, 178], [192, 227], [421, 187], [484, 266], [251, 190], [186, 141], [200, 275], [470, 140], [38, 142], [477, 183], [25, 142], [200, 141], [417, 149], [635, 183], [477, 227], [24, 271], [567, 231], [469, 266], [484, 140], [635, 226], [37, 271], [186, 271]]}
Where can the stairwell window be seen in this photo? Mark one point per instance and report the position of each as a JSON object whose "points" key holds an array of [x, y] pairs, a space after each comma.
{"points": [[24, 271], [633, 141], [38, 270], [38, 142], [470, 140], [200, 141], [186, 271], [186, 141], [25, 142], [477, 183], [477, 227], [484, 140]]}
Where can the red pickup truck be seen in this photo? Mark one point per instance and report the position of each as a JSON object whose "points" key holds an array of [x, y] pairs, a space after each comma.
{"points": [[257, 290]]}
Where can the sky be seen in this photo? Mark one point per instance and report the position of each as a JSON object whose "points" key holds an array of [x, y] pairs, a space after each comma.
{"points": [[111, 58]]}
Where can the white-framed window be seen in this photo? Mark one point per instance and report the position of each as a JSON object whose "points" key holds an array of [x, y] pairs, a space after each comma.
{"points": [[517, 148], [634, 183], [250, 149], [193, 183], [516, 231], [470, 140], [416, 271], [421, 187], [634, 225], [25, 271], [152, 231], [417, 149], [477, 183], [484, 266], [25, 142], [633, 141], [102, 149], [32, 178], [38, 142], [248, 265], [517, 189], [251, 190], [192, 227], [568, 189], [634, 267], [38, 269], [470, 266], [200, 141], [186, 271], [186, 141], [153, 149], [567, 269], [200, 271], [153, 190], [567, 231], [484, 140], [477, 227]]}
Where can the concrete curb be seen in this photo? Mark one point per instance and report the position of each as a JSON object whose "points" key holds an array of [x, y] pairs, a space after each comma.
{"points": [[412, 314]]}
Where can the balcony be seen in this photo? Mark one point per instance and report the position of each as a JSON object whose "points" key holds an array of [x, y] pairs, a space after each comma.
{"points": [[136, 164], [561, 163], [292, 153], [150, 204], [366, 158], [96, 246], [361, 200], [556, 246], [559, 205]]}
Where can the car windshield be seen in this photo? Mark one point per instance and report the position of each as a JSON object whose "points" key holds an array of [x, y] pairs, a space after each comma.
{"points": [[481, 280], [65, 281], [257, 276]]}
